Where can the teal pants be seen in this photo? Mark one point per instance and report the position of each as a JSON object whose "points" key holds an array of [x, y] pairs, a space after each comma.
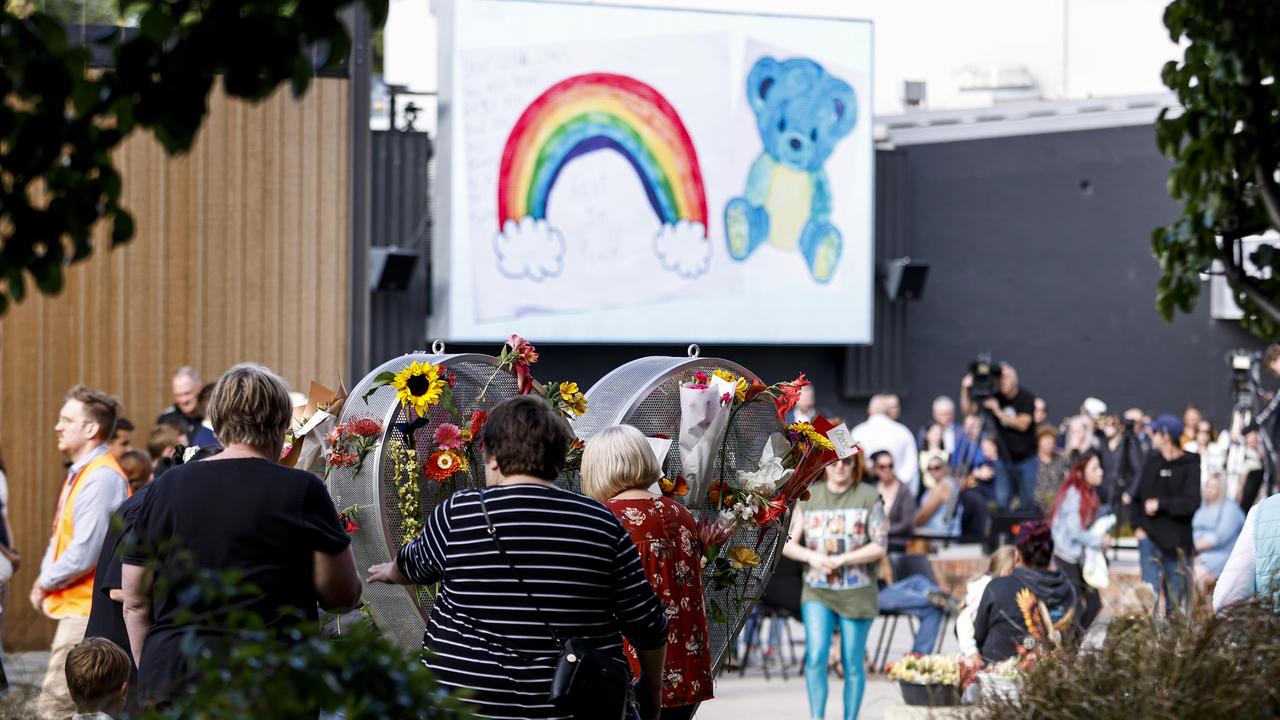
{"points": [[819, 624]]}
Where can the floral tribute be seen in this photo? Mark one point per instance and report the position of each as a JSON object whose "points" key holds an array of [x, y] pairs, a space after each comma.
{"points": [[929, 670], [350, 442], [444, 448], [790, 462]]}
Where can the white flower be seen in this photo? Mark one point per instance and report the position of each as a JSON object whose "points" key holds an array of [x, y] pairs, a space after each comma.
{"points": [[746, 510], [767, 479], [728, 518]]}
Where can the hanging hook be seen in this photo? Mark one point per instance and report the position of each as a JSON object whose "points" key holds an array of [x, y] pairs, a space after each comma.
{"points": [[694, 351], [437, 347]]}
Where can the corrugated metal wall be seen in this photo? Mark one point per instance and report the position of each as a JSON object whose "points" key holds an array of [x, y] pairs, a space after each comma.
{"points": [[869, 369], [402, 217], [240, 255]]}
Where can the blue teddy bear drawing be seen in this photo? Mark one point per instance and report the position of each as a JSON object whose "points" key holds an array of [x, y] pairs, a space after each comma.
{"points": [[802, 112]]}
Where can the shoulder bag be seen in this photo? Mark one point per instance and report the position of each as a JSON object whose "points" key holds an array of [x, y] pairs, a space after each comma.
{"points": [[588, 684]]}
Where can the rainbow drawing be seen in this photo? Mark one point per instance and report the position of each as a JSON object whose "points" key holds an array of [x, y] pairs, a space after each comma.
{"points": [[598, 111]]}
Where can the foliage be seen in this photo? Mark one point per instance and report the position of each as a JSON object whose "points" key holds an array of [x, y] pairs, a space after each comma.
{"points": [[1216, 667], [291, 669], [59, 123], [1225, 145]]}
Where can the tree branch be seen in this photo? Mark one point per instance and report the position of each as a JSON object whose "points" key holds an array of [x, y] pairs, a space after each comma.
{"points": [[1240, 281]]}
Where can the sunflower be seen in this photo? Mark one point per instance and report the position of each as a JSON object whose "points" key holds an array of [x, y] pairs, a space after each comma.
{"points": [[808, 432], [419, 386]]}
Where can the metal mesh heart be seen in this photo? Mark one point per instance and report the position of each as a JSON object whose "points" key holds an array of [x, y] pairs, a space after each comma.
{"points": [[399, 611], [645, 393]]}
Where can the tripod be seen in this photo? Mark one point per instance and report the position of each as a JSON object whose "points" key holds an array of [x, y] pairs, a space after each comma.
{"points": [[1245, 419]]}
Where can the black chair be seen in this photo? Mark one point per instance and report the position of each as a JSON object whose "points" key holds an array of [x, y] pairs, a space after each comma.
{"points": [[779, 603]]}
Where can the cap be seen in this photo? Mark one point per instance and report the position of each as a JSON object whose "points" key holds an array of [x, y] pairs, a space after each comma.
{"points": [[1168, 424], [1094, 408]]}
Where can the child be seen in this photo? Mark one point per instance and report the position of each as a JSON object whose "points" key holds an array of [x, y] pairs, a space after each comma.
{"points": [[98, 679]]}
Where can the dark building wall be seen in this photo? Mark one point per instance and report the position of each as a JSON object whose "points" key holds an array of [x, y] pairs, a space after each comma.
{"points": [[1040, 254], [1040, 251]]}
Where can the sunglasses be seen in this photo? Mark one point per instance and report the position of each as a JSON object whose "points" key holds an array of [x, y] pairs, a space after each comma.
{"points": [[935, 467]]}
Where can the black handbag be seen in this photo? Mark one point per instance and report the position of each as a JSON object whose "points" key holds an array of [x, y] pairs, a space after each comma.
{"points": [[588, 684]]}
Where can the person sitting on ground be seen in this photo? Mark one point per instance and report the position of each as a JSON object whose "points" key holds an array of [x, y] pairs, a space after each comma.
{"points": [[1214, 529], [618, 467], [1033, 607], [98, 679], [1000, 565], [1074, 511]]}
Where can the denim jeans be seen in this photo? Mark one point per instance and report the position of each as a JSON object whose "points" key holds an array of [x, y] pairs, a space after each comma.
{"points": [[1017, 477], [819, 625], [1164, 573], [911, 595]]}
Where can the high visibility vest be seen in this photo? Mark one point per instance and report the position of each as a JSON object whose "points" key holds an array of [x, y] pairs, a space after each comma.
{"points": [[74, 600]]}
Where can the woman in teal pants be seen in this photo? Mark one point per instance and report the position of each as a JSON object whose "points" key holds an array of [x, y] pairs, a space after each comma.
{"points": [[839, 533]]}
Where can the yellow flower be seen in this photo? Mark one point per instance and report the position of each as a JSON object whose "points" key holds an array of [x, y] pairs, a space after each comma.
{"points": [[419, 386], [741, 557], [574, 401], [739, 384], [808, 432]]}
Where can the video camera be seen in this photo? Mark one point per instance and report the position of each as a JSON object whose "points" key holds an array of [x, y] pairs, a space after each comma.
{"points": [[986, 378], [1242, 366]]}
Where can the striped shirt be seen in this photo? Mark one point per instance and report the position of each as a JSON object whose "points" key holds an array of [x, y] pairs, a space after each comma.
{"points": [[484, 636]]}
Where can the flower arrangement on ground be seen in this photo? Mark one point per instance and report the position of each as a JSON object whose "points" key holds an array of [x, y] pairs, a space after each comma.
{"points": [[926, 669]]}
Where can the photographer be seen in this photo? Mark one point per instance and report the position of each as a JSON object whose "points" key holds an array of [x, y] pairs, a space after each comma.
{"points": [[1011, 408]]}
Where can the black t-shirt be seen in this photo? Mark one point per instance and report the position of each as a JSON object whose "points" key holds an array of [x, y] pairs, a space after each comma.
{"points": [[106, 616], [250, 515], [1020, 444]]}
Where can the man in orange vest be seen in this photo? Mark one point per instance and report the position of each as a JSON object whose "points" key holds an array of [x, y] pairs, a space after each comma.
{"points": [[93, 489]]}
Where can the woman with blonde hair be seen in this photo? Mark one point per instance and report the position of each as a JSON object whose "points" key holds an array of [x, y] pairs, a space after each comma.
{"points": [[618, 468], [1000, 565]]}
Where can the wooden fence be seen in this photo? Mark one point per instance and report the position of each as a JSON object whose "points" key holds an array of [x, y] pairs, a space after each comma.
{"points": [[241, 254]]}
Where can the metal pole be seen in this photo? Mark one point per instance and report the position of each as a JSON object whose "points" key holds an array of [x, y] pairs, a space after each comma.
{"points": [[360, 68]]}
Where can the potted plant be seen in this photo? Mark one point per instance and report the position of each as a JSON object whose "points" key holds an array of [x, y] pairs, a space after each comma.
{"points": [[928, 680]]}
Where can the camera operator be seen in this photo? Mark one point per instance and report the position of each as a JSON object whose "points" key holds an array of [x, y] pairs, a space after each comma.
{"points": [[1011, 407]]}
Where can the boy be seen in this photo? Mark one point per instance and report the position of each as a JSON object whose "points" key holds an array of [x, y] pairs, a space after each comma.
{"points": [[98, 679]]}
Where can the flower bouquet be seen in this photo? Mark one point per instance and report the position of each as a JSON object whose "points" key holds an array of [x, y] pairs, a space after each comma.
{"points": [[928, 680]]}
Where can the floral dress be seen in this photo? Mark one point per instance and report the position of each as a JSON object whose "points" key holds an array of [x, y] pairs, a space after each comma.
{"points": [[666, 535]]}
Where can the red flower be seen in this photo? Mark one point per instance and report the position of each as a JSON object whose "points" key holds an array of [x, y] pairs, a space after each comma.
{"points": [[772, 510], [713, 532], [335, 435], [366, 427], [349, 524], [441, 465], [478, 419], [674, 488], [756, 388], [452, 380], [662, 436], [790, 395], [523, 354]]}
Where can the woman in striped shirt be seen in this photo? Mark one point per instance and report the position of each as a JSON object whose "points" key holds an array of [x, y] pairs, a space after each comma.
{"points": [[583, 571]]}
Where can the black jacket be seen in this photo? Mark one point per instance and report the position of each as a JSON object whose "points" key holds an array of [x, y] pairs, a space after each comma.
{"points": [[1176, 485], [1009, 617]]}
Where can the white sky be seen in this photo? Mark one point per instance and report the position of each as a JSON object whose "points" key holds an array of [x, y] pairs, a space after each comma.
{"points": [[1072, 49]]}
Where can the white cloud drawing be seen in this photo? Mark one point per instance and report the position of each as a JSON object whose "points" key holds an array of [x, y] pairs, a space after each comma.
{"points": [[684, 249], [529, 249]]}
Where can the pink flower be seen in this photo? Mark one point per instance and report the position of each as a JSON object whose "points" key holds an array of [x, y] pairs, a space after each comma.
{"points": [[726, 398], [713, 532], [701, 377], [448, 436]]}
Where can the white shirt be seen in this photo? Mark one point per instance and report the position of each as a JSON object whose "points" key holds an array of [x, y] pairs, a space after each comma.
{"points": [[880, 432], [1237, 578]]}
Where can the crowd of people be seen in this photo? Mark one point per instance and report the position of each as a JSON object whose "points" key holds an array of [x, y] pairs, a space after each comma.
{"points": [[529, 572]]}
